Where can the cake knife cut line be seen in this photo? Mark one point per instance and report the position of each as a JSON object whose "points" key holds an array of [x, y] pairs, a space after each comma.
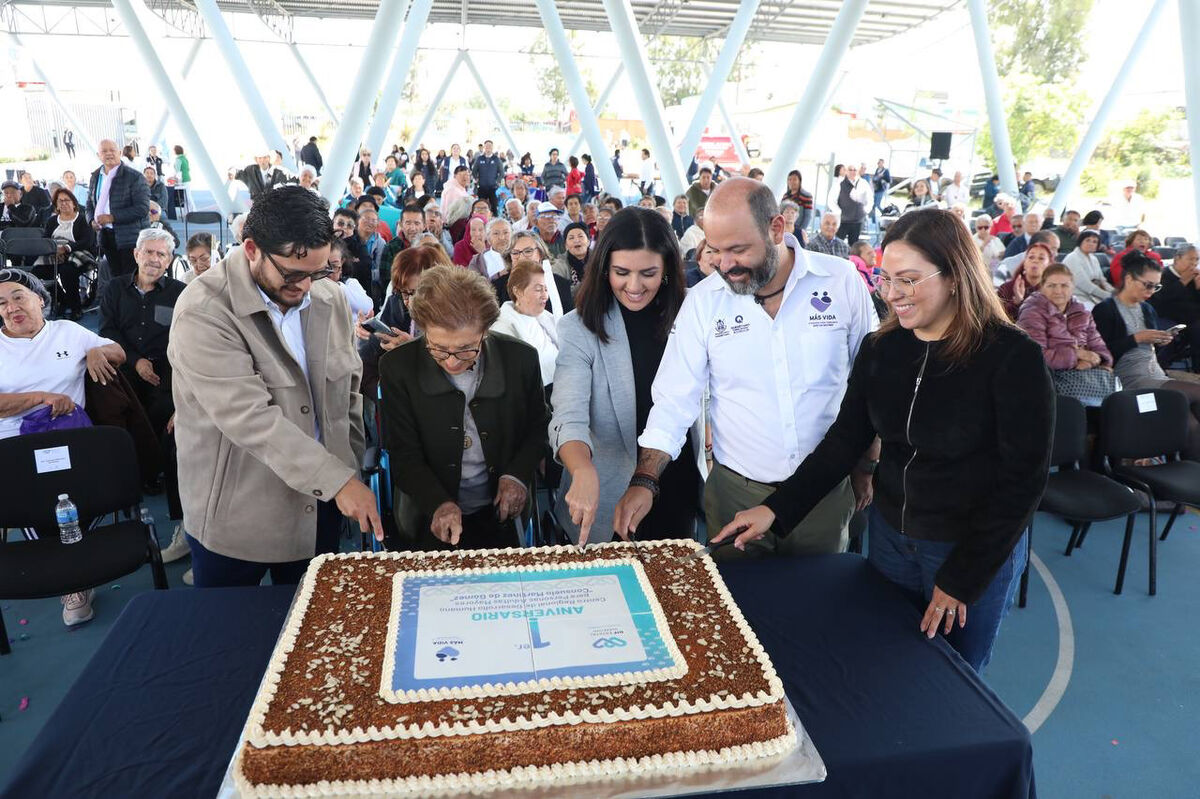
{"points": [[710, 548], [636, 549]]}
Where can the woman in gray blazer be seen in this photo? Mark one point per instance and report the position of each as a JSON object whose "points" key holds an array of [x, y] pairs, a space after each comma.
{"points": [[609, 350]]}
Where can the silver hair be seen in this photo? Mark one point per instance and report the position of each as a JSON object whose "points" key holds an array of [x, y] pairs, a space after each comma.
{"points": [[235, 227], [308, 169], [1184, 249], [154, 234], [787, 205], [493, 223], [836, 216], [557, 190]]}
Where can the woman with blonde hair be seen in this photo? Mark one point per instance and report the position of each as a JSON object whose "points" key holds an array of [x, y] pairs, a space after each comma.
{"points": [[464, 418], [964, 408]]}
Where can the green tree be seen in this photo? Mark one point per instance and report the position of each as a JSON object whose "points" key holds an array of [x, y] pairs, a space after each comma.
{"points": [[1148, 146], [677, 64], [1044, 119], [1039, 37], [1144, 140], [411, 93], [551, 84]]}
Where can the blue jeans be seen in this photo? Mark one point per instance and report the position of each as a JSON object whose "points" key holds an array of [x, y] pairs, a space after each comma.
{"points": [[878, 206], [913, 564]]}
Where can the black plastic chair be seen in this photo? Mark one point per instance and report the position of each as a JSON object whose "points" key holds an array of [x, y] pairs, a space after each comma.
{"points": [[1149, 424], [205, 218], [28, 246], [1166, 253], [102, 478], [24, 250], [8, 234], [1081, 497]]}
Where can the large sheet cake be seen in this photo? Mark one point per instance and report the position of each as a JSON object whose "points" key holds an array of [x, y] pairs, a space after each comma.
{"points": [[465, 672]]}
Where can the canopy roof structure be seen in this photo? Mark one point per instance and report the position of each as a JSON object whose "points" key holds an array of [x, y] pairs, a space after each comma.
{"points": [[396, 27], [807, 22]]}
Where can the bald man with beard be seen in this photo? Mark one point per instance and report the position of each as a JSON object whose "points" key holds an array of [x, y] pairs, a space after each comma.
{"points": [[772, 342]]}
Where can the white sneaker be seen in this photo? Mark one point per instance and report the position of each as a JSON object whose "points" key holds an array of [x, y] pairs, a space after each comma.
{"points": [[178, 548], [187, 577], [77, 608]]}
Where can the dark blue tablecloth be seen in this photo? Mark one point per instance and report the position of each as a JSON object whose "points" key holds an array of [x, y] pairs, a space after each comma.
{"points": [[158, 710]]}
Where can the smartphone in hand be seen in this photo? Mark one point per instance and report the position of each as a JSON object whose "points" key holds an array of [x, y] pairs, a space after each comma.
{"points": [[376, 326]]}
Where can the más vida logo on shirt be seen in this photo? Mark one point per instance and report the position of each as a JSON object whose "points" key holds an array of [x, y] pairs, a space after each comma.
{"points": [[740, 325], [821, 303]]}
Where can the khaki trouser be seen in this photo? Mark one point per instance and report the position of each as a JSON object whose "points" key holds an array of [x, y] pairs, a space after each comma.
{"points": [[824, 530]]}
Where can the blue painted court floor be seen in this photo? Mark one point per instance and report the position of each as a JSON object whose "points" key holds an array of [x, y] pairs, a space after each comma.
{"points": [[1115, 679]]}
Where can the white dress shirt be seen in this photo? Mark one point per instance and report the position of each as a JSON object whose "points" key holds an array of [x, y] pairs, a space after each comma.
{"points": [[102, 203], [291, 327], [775, 384]]}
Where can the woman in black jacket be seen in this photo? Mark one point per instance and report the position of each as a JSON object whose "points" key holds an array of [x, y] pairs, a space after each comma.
{"points": [[70, 229], [964, 408], [426, 166], [1128, 323], [464, 416]]}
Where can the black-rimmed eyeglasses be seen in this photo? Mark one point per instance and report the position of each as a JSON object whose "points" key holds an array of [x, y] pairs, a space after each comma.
{"points": [[293, 276]]}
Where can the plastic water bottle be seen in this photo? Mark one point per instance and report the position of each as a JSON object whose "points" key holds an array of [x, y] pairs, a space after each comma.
{"points": [[68, 520]]}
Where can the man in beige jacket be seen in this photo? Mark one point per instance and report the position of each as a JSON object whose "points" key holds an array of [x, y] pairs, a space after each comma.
{"points": [[268, 418]]}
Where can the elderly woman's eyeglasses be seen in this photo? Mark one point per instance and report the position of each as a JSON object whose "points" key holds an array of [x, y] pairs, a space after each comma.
{"points": [[524, 252], [293, 276], [905, 285], [464, 355]]}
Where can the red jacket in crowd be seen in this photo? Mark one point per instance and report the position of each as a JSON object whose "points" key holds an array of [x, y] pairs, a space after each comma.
{"points": [[1115, 269]]}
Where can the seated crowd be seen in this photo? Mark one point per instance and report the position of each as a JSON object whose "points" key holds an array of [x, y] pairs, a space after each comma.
{"points": [[497, 329]]}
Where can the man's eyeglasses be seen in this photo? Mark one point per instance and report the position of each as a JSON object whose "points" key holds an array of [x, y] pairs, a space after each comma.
{"points": [[1153, 288], [466, 355], [906, 285], [293, 276]]}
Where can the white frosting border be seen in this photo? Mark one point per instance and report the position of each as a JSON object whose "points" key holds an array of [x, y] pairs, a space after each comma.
{"points": [[487, 690], [259, 737], [522, 777]]}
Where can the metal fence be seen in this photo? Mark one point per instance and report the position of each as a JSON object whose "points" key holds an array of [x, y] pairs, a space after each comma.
{"points": [[47, 123]]}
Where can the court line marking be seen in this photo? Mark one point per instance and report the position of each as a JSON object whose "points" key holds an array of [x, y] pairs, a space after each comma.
{"points": [[1057, 686]]}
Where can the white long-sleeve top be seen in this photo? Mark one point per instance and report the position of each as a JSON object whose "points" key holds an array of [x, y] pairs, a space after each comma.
{"points": [[775, 384], [1085, 269], [539, 332], [357, 296]]}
